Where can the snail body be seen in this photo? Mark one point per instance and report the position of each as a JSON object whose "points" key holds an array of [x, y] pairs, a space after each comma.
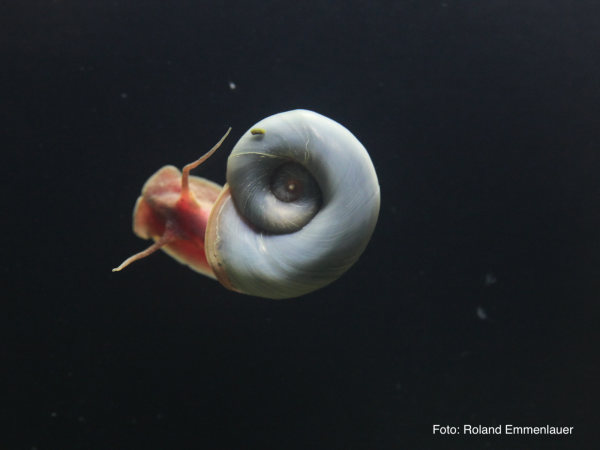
{"points": [[299, 207]]}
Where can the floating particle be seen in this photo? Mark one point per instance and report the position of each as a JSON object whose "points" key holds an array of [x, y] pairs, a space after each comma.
{"points": [[481, 313], [232, 85], [490, 278]]}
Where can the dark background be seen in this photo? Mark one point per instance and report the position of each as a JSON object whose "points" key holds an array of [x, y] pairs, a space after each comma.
{"points": [[483, 122]]}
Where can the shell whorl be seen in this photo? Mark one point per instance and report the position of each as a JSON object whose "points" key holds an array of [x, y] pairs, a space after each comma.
{"points": [[282, 242]]}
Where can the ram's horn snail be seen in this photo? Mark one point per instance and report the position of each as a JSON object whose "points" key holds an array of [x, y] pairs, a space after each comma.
{"points": [[299, 207]]}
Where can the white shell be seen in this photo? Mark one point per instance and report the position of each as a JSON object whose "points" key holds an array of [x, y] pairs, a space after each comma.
{"points": [[289, 265]]}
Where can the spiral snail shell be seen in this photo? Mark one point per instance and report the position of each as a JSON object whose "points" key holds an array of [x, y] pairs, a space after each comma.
{"points": [[299, 207]]}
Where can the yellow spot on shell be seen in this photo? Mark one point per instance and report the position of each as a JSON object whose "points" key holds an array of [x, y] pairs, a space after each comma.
{"points": [[256, 131]]}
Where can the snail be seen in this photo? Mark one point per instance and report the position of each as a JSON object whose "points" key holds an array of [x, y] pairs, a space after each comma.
{"points": [[298, 209]]}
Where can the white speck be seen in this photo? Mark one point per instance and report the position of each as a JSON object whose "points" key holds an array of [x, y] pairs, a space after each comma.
{"points": [[490, 278], [124, 95], [444, 5], [481, 313], [232, 85], [398, 386], [53, 414]]}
